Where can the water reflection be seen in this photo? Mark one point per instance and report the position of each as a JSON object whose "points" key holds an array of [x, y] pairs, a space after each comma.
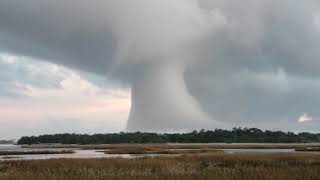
{"points": [[8, 147], [78, 154]]}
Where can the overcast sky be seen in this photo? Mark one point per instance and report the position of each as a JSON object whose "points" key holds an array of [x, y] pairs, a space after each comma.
{"points": [[69, 66]]}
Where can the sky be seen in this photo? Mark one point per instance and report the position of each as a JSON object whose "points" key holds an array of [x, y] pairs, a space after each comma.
{"points": [[149, 65], [37, 97]]}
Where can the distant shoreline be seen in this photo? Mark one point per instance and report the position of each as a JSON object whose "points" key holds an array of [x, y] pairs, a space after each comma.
{"points": [[235, 135]]}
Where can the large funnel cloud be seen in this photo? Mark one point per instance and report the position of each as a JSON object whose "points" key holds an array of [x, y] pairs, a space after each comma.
{"points": [[157, 36], [161, 101]]}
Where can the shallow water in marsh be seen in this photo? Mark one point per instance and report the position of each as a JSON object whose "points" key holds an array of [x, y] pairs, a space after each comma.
{"points": [[5, 147], [80, 153]]}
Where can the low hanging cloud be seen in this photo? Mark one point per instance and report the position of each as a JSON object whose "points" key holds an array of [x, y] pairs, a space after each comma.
{"points": [[217, 61]]}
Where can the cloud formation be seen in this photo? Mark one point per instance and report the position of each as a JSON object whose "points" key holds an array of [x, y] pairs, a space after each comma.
{"points": [[246, 62], [55, 99]]}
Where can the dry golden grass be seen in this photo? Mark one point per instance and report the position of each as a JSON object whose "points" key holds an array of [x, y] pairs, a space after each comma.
{"points": [[219, 166], [161, 151]]}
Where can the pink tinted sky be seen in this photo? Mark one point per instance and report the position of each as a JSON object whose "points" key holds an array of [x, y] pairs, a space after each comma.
{"points": [[81, 105]]}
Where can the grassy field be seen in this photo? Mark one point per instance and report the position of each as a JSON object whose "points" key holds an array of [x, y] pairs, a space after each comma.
{"points": [[219, 166]]}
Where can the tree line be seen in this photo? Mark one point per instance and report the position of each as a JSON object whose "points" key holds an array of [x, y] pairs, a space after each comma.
{"points": [[235, 135]]}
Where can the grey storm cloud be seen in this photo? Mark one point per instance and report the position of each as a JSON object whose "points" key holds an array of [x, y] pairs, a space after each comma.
{"points": [[13, 74], [190, 63]]}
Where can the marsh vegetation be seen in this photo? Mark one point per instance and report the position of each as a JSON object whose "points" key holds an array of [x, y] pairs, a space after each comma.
{"points": [[220, 166], [160, 151]]}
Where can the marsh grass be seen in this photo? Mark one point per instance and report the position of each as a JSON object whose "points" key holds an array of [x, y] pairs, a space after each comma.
{"points": [[219, 166], [161, 151]]}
